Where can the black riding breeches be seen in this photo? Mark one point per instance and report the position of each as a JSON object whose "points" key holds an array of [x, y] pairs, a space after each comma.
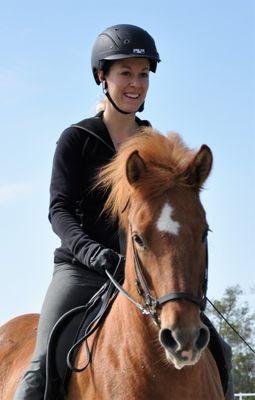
{"points": [[71, 286]]}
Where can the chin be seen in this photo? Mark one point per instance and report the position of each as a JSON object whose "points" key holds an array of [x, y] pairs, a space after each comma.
{"points": [[131, 109], [181, 363]]}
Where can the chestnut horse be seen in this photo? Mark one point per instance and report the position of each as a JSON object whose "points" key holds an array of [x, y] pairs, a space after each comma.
{"points": [[153, 344]]}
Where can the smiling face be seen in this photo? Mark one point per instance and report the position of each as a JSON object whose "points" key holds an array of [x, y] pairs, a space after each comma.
{"points": [[128, 82]]}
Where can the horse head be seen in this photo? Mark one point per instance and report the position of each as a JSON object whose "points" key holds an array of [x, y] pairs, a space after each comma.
{"points": [[155, 183]]}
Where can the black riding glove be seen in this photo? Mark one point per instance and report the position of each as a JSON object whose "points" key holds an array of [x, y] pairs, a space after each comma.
{"points": [[108, 259]]}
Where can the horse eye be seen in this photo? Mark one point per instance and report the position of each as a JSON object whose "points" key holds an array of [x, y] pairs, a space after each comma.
{"points": [[138, 240]]}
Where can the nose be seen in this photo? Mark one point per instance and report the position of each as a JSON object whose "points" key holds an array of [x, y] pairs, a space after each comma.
{"points": [[135, 81], [185, 343]]}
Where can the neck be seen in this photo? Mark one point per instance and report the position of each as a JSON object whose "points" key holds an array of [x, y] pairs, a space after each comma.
{"points": [[120, 126]]}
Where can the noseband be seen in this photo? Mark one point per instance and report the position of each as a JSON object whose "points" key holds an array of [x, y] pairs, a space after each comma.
{"points": [[151, 305]]}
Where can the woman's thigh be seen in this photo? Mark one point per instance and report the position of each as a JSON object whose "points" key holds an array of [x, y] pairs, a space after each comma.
{"points": [[71, 286]]}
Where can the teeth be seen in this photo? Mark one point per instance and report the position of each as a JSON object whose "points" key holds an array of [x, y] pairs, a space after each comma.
{"points": [[132, 96]]}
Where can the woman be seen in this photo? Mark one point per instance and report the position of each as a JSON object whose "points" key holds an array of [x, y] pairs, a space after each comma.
{"points": [[122, 57]]}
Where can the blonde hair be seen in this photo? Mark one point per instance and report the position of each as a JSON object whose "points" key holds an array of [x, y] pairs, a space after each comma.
{"points": [[101, 106]]}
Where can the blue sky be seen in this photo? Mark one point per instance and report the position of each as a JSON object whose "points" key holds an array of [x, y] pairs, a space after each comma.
{"points": [[204, 89]]}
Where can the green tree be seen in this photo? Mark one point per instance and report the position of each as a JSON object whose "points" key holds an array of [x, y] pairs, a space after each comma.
{"points": [[242, 318]]}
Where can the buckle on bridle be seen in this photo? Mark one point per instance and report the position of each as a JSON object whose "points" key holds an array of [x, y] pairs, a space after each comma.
{"points": [[152, 305], [150, 302]]}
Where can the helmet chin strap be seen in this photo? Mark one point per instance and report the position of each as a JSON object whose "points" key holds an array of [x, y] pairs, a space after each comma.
{"points": [[105, 90]]}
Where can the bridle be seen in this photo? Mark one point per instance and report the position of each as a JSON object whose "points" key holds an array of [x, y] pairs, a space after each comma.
{"points": [[151, 305]]}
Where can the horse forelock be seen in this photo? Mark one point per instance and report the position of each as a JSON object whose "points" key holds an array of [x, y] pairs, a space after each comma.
{"points": [[166, 159]]}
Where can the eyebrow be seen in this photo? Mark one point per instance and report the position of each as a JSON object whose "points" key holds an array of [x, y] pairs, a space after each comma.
{"points": [[127, 66]]}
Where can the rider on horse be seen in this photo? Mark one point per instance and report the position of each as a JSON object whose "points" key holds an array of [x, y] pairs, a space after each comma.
{"points": [[122, 57]]}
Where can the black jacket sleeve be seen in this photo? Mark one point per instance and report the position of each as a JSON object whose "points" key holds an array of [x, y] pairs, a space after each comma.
{"points": [[65, 190]]}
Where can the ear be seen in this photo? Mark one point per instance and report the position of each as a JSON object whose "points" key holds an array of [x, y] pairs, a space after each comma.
{"points": [[100, 75], [135, 168], [201, 166]]}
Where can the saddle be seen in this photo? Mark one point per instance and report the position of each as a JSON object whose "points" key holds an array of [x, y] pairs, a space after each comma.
{"points": [[78, 324], [70, 331]]}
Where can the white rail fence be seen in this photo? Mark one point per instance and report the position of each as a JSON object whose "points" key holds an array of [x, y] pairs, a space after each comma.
{"points": [[243, 396]]}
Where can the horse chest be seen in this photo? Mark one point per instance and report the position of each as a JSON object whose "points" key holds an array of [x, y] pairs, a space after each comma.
{"points": [[129, 364], [143, 380]]}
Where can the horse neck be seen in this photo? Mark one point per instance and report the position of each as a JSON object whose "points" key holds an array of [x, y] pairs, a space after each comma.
{"points": [[135, 333]]}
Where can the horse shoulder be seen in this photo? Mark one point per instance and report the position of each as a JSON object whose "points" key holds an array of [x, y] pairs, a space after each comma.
{"points": [[212, 376]]}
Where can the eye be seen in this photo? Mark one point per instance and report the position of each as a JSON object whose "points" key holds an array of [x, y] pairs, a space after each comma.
{"points": [[138, 239], [145, 75], [125, 73]]}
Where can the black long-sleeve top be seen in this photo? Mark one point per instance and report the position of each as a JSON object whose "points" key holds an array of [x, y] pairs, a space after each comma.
{"points": [[75, 209]]}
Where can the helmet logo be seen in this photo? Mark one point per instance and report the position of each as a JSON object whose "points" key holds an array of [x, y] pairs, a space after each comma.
{"points": [[139, 51]]}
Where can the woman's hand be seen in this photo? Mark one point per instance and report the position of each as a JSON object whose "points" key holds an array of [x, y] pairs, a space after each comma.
{"points": [[104, 258]]}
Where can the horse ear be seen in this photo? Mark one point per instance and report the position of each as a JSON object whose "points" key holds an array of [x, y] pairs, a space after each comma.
{"points": [[135, 167], [201, 166]]}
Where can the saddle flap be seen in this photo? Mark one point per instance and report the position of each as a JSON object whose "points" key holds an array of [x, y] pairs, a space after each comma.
{"points": [[71, 328]]}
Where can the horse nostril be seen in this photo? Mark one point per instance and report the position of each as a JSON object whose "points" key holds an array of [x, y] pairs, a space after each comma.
{"points": [[203, 338], [167, 339]]}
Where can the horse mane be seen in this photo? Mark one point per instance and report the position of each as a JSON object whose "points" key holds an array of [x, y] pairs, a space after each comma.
{"points": [[167, 159]]}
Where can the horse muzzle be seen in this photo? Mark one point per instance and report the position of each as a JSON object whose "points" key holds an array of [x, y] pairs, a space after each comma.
{"points": [[183, 346]]}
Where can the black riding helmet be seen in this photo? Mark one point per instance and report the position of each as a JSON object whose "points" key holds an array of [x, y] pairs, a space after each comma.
{"points": [[123, 41]]}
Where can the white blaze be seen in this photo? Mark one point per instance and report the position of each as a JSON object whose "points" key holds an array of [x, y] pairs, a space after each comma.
{"points": [[166, 223]]}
